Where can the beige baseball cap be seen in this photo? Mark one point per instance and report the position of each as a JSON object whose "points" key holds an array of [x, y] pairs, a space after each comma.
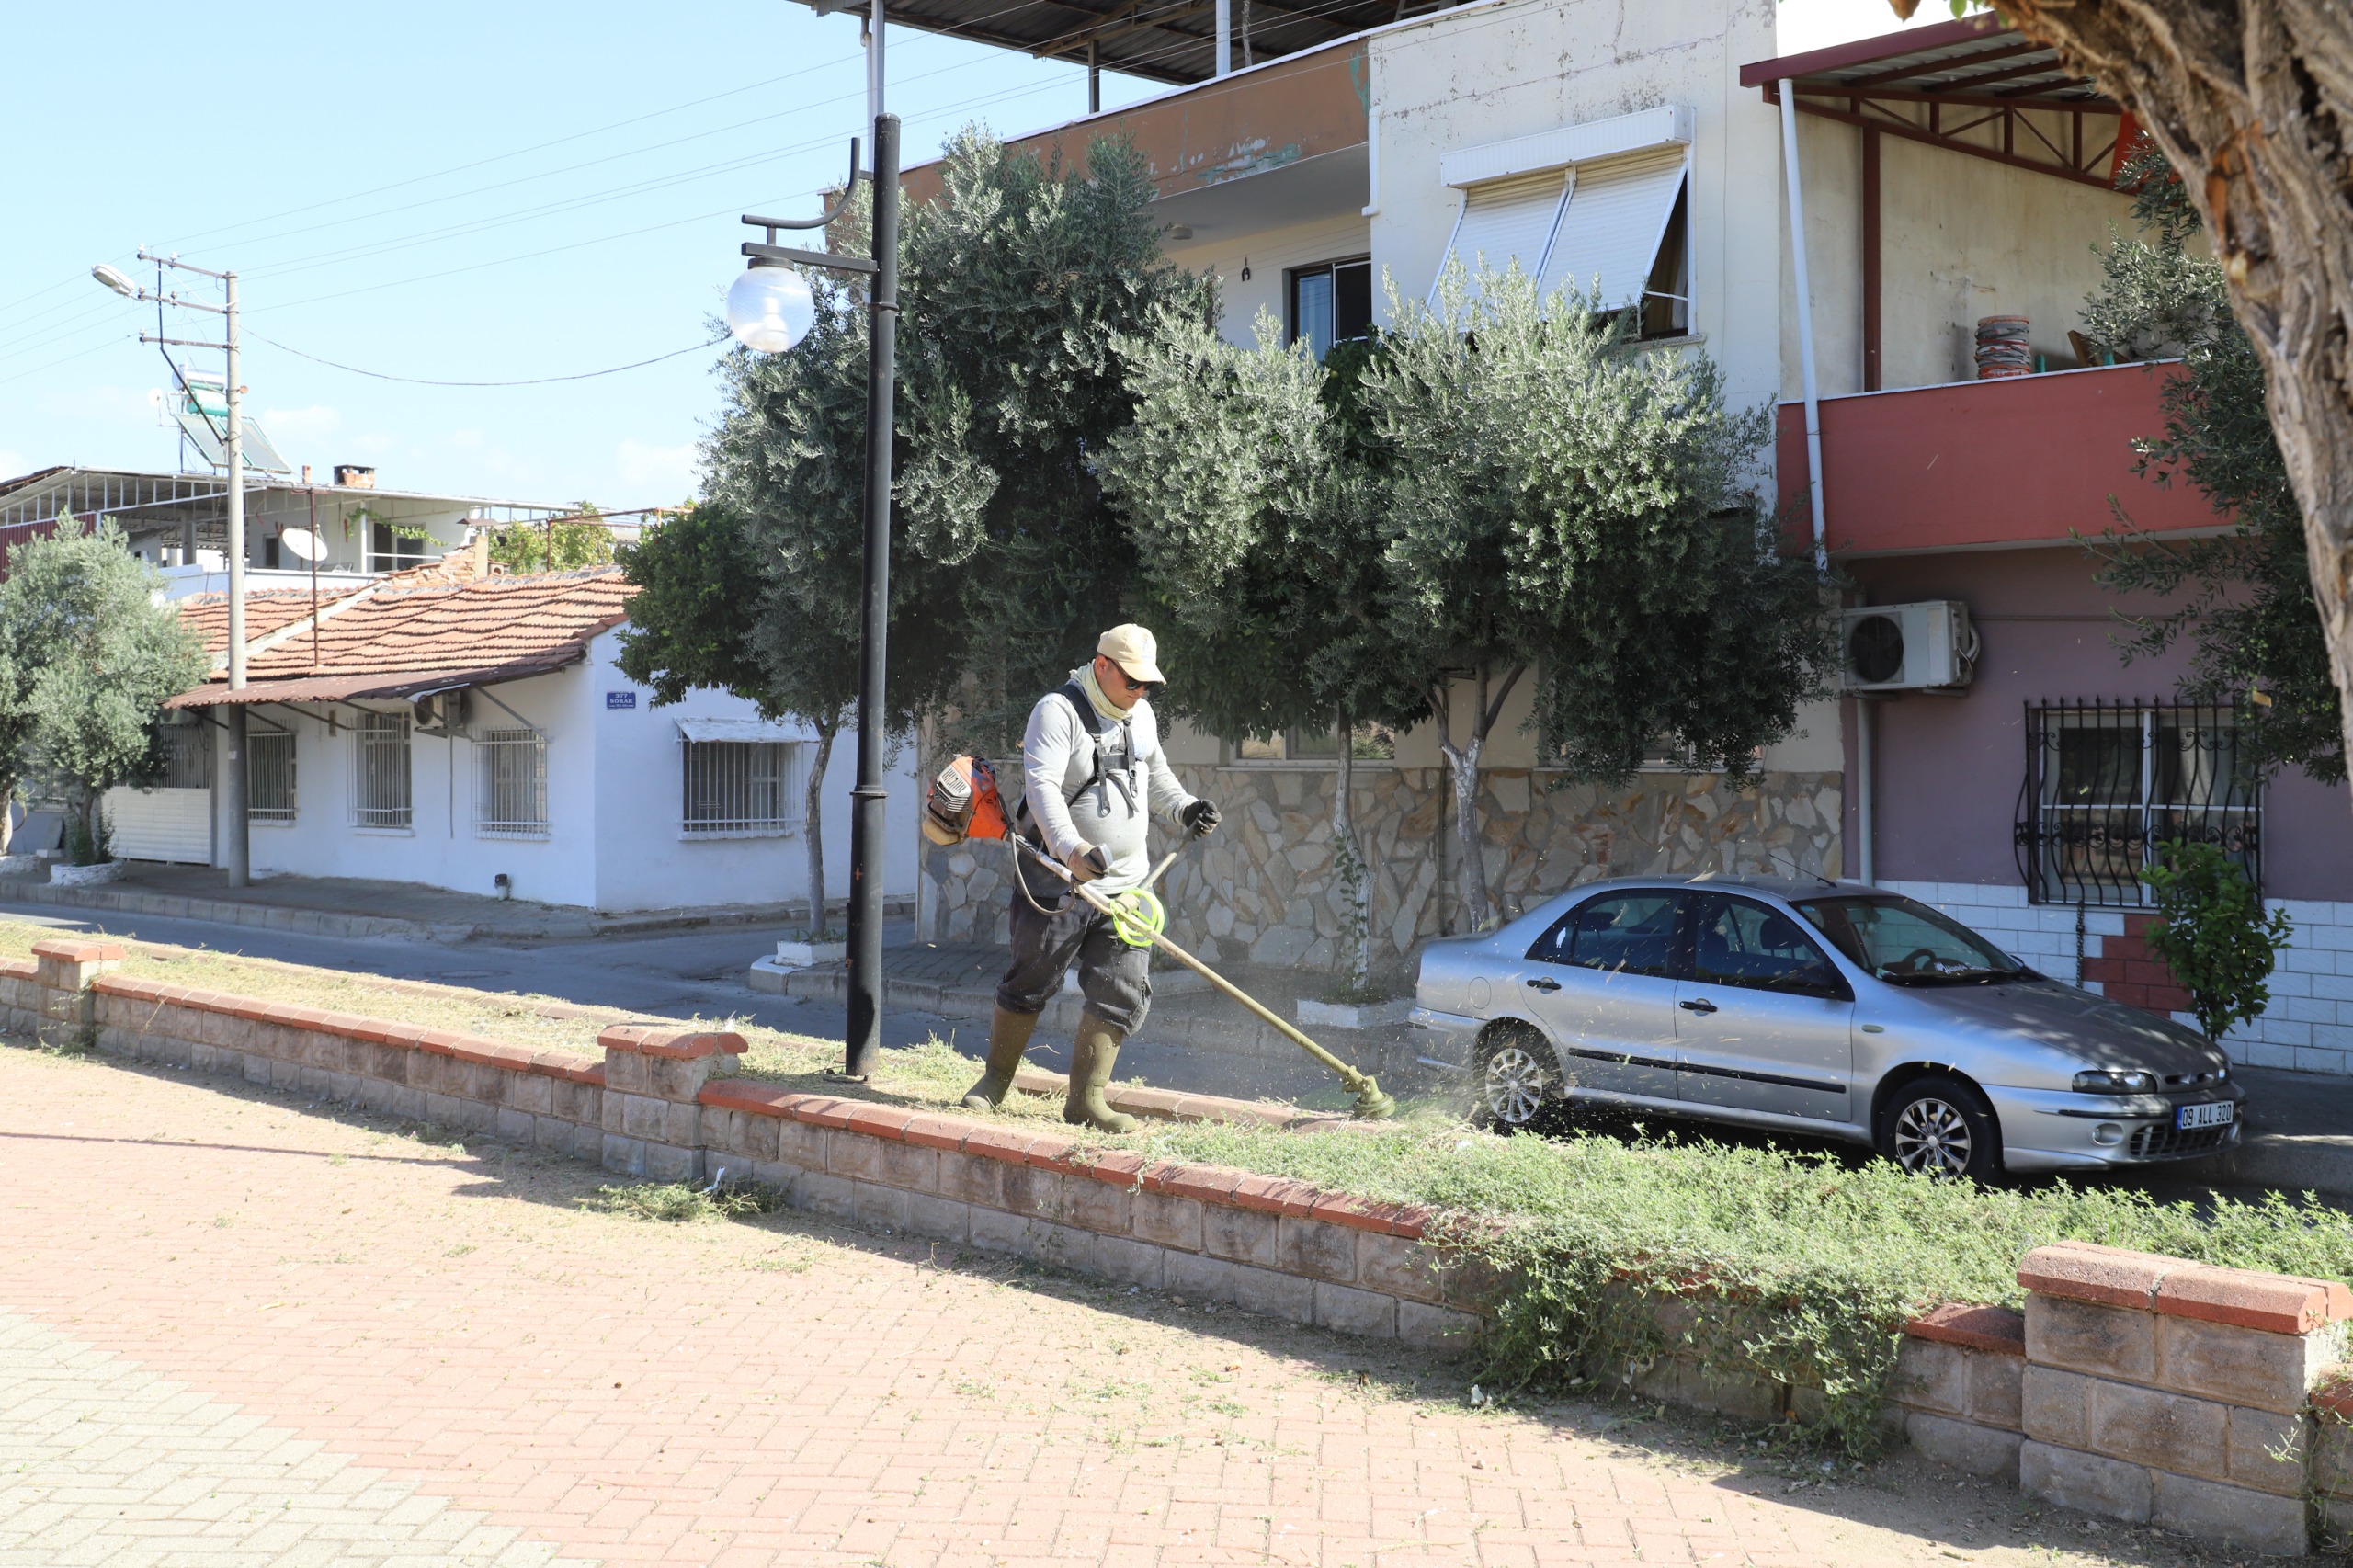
{"points": [[1134, 649]]}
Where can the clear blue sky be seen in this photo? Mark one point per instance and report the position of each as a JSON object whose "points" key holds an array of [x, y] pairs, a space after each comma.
{"points": [[374, 173]]}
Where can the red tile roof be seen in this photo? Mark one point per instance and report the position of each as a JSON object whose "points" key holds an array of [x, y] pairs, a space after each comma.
{"points": [[436, 627]]}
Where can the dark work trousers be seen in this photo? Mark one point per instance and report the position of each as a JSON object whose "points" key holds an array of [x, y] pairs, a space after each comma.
{"points": [[1115, 977]]}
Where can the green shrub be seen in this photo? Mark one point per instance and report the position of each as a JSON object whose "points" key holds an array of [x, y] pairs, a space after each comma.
{"points": [[2212, 933], [1814, 1266]]}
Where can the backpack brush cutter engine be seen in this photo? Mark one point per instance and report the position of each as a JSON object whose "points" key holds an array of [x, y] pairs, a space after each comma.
{"points": [[963, 804]]}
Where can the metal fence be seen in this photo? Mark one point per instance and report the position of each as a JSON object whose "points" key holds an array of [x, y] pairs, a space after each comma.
{"points": [[269, 776], [513, 779], [2108, 783], [738, 786], [379, 784]]}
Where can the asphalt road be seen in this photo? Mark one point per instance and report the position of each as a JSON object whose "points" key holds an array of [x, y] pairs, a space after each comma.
{"points": [[675, 974]]}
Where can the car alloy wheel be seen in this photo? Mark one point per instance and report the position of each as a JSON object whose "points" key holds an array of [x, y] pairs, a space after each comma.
{"points": [[1932, 1135], [1516, 1084]]}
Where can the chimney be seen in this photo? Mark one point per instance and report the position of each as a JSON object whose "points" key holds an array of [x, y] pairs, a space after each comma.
{"points": [[482, 549], [354, 476]]}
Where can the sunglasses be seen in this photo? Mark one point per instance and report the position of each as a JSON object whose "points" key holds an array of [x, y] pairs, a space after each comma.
{"points": [[1130, 682]]}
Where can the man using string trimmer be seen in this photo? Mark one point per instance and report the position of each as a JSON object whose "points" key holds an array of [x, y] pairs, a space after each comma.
{"points": [[1093, 774]]}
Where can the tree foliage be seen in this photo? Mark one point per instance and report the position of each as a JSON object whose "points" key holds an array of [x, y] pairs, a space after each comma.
{"points": [[690, 619], [89, 654], [559, 544], [2243, 600], [1254, 486], [1501, 486], [2212, 933]]}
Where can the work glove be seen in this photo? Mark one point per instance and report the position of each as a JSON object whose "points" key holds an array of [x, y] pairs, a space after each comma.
{"points": [[1202, 817], [1086, 862]]}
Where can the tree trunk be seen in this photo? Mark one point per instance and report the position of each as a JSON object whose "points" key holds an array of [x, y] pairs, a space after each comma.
{"points": [[8, 816], [1347, 859], [814, 828], [1462, 769], [2253, 102]]}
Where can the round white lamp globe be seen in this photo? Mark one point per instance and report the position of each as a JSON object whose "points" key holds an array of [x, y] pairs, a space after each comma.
{"points": [[769, 309]]}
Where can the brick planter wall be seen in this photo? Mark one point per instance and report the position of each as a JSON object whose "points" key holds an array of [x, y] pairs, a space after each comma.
{"points": [[2142, 1387]]}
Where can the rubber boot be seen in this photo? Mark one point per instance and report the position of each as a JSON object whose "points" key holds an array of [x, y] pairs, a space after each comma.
{"points": [[1093, 1050], [1009, 1037]]}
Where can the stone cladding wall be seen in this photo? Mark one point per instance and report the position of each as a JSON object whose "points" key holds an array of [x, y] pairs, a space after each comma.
{"points": [[1263, 889]]}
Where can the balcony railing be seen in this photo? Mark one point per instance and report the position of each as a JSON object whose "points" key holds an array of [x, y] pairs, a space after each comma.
{"points": [[1979, 464]]}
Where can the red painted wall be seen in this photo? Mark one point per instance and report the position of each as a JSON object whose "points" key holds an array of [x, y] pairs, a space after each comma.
{"points": [[1980, 463], [1950, 768]]}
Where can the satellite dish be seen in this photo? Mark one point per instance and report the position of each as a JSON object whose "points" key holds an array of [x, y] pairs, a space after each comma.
{"points": [[305, 545]]}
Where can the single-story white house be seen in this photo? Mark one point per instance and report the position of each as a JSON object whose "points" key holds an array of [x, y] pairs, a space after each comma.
{"points": [[462, 728]]}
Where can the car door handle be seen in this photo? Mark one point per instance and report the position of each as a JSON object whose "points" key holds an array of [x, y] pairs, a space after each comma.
{"points": [[1697, 1005], [1541, 984]]}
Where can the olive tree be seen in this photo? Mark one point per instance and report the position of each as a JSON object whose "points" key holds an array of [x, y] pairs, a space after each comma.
{"points": [[1565, 504], [90, 652], [2253, 100], [1253, 493]]}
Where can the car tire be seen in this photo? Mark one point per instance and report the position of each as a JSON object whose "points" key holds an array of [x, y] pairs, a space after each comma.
{"points": [[1519, 1082], [1943, 1127]]}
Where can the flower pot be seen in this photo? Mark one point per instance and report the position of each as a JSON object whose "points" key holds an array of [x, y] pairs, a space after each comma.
{"points": [[64, 876]]}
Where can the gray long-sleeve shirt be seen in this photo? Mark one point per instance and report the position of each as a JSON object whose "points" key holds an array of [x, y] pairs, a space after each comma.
{"points": [[1057, 754]]}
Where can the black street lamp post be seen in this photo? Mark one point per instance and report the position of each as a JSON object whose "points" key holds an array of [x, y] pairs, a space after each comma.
{"points": [[771, 319]]}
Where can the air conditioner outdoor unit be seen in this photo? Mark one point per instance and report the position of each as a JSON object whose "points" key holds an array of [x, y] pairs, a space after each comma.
{"points": [[1918, 647]]}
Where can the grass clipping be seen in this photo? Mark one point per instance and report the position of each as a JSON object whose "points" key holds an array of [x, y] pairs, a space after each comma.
{"points": [[1751, 1262]]}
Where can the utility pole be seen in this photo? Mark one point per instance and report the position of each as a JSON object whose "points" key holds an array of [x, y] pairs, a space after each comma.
{"points": [[232, 777], [237, 848]]}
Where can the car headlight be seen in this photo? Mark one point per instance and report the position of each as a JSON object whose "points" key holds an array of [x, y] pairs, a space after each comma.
{"points": [[2111, 1081]]}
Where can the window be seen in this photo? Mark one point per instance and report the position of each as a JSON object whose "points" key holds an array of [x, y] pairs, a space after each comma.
{"points": [[1750, 946], [738, 786], [1331, 302], [1373, 743], [1618, 231], [1625, 933], [183, 757], [269, 776], [389, 549], [2107, 783], [511, 772], [1905, 943], [1505, 221], [380, 787]]}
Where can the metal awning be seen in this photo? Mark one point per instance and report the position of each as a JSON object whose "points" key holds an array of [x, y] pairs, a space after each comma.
{"points": [[349, 689], [739, 731], [1161, 40], [1972, 87]]}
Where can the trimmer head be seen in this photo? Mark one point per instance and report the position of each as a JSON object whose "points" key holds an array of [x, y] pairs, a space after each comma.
{"points": [[1371, 1104]]}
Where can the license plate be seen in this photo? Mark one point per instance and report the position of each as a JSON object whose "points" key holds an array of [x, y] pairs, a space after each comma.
{"points": [[2220, 1114]]}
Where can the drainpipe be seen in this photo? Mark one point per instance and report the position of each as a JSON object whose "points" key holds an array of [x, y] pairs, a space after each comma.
{"points": [[1805, 317], [1866, 765], [1224, 36]]}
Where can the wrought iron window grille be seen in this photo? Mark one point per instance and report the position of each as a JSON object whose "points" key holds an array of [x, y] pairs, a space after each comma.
{"points": [[738, 788], [511, 781], [2109, 782], [269, 775], [379, 774]]}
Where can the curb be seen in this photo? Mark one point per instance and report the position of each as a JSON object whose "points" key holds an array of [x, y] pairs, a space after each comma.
{"points": [[118, 899]]}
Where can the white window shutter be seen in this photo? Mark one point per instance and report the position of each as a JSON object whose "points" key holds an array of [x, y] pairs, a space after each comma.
{"points": [[1613, 226], [1506, 220]]}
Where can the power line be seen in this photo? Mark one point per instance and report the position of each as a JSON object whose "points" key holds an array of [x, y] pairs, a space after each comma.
{"points": [[533, 381]]}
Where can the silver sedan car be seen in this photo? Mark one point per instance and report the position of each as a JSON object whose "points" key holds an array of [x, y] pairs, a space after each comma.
{"points": [[1834, 1009]]}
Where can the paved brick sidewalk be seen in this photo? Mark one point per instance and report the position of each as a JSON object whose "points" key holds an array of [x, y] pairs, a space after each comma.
{"points": [[539, 1379]]}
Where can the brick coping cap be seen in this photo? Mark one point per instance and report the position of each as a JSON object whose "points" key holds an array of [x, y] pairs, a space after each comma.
{"points": [[2172, 1287], [1014, 1144], [67, 950], [2001, 1330], [668, 1040]]}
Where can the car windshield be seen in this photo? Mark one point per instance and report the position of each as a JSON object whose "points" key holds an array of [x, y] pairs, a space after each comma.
{"points": [[1909, 944]]}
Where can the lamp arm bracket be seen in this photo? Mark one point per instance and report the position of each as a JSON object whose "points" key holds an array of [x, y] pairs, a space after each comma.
{"points": [[849, 188]]}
